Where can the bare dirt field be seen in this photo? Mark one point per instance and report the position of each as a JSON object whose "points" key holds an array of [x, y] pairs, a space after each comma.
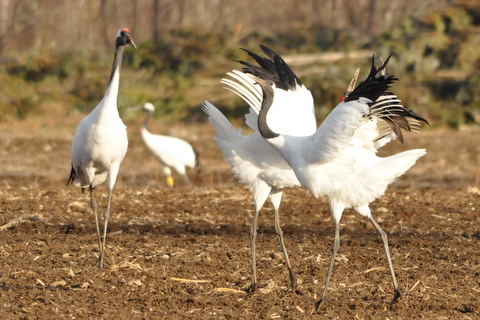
{"points": [[184, 253]]}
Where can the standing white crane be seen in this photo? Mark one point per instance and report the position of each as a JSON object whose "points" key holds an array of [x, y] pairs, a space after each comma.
{"points": [[253, 160], [255, 163], [172, 152], [339, 160], [100, 142]]}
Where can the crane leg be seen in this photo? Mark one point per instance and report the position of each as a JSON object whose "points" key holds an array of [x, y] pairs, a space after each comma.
{"points": [[169, 181], [187, 180], [276, 198], [336, 245], [106, 217], [384, 237], [95, 211], [253, 237], [167, 173], [260, 192]]}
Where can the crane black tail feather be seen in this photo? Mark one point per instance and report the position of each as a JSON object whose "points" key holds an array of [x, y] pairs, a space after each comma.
{"points": [[72, 176]]}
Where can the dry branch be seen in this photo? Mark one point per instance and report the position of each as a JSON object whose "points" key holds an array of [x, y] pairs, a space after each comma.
{"points": [[20, 220], [189, 280]]}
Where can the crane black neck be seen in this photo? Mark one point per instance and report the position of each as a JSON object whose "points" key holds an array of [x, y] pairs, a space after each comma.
{"points": [[117, 60], [268, 95]]}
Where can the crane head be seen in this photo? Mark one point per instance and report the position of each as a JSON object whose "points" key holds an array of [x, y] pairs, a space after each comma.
{"points": [[124, 37], [147, 106]]}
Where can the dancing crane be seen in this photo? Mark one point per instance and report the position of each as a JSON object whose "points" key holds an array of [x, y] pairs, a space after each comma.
{"points": [[339, 160], [170, 151], [100, 143], [253, 161]]}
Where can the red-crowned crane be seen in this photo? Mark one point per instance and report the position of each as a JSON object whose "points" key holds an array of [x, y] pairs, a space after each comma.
{"points": [[100, 143], [172, 152]]}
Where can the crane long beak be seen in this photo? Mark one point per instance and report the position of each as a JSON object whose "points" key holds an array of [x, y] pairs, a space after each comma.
{"points": [[351, 86], [134, 108], [130, 41]]}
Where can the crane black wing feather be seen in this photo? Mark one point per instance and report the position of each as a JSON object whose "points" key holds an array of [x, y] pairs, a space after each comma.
{"points": [[375, 85], [385, 105], [273, 68]]}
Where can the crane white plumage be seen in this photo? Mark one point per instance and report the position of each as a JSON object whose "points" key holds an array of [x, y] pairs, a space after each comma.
{"points": [[172, 152], [253, 161], [100, 142], [339, 160]]}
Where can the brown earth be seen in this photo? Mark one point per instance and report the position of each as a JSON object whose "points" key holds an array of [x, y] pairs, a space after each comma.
{"points": [[184, 253]]}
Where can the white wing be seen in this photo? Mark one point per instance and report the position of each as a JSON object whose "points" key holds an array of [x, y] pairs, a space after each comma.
{"points": [[250, 156], [337, 131], [246, 88], [293, 114]]}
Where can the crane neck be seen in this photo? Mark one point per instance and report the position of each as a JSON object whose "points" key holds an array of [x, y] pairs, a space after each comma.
{"points": [[108, 106], [147, 120], [117, 62], [268, 95]]}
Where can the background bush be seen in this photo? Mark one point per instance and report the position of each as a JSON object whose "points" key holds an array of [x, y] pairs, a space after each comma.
{"points": [[179, 64]]}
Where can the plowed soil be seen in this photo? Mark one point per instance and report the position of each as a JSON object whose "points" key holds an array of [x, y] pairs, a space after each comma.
{"points": [[184, 253]]}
